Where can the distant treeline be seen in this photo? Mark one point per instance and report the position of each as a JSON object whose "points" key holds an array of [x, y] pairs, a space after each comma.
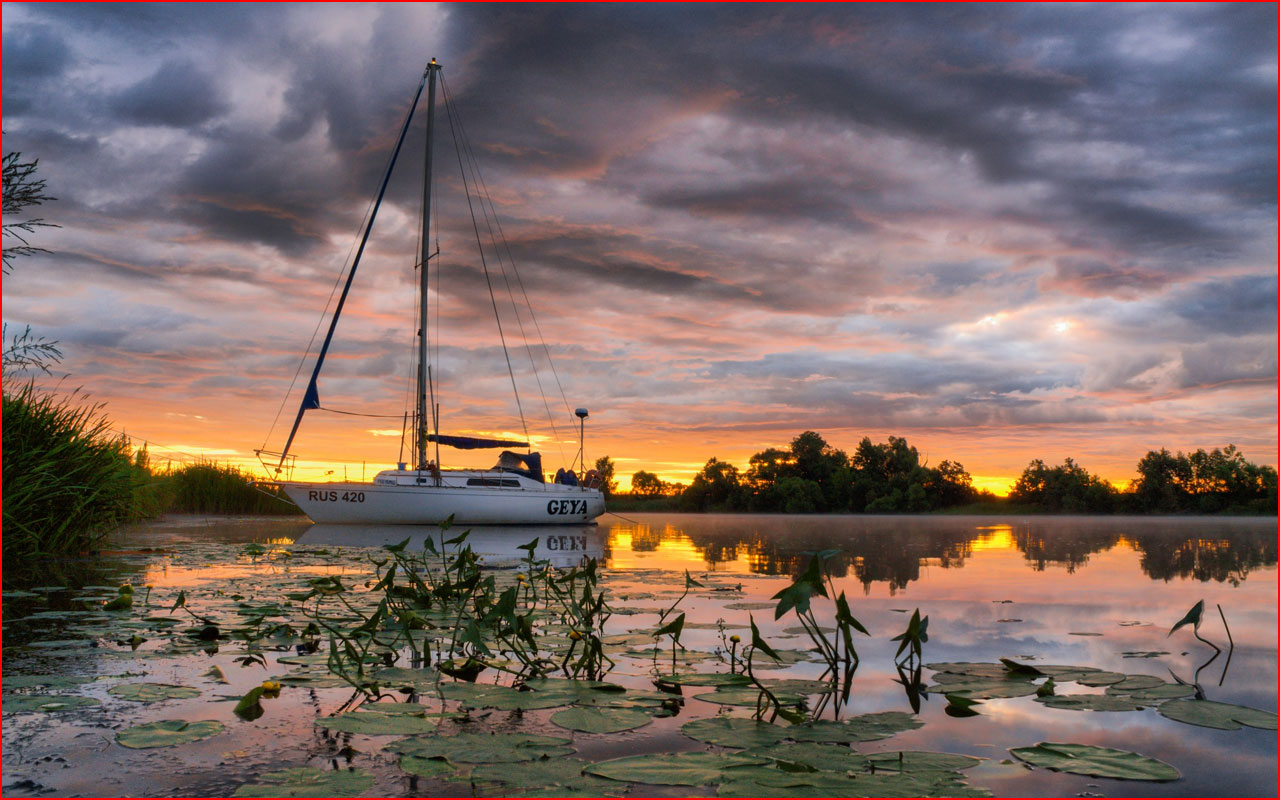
{"points": [[810, 476]]}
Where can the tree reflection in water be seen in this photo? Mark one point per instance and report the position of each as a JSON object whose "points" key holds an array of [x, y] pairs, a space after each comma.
{"points": [[892, 550]]}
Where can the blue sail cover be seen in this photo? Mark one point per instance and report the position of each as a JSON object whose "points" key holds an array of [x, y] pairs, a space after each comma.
{"points": [[472, 443]]}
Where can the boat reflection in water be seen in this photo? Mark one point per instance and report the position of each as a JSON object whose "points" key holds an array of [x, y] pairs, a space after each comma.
{"points": [[496, 545]]}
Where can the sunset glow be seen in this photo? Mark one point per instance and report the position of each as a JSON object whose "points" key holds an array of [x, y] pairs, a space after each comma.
{"points": [[1002, 232]]}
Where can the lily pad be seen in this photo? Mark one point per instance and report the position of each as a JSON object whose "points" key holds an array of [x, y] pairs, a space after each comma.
{"points": [[985, 688], [1134, 682], [1098, 762], [601, 720], [427, 767], [1090, 702], [1101, 679], [375, 723], [768, 782], [47, 703], [862, 728], [673, 769], [152, 692], [819, 757], [503, 698], [483, 748], [1168, 691], [921, 761], [553, 777], [45, 681], [167, 733], [308, 782], [1224, 716], [734, 732], [708, 679]]}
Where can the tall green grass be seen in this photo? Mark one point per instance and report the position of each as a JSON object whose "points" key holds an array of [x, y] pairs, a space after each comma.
{"points": [[68, 478], [210, 488]]}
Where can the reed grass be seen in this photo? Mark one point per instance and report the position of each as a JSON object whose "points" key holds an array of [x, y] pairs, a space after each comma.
{"points": [[68, 478], [207, 487]]}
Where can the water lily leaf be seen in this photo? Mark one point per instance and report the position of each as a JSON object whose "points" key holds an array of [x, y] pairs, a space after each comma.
{"points": [[419, 680], [986, 688], [708, 679], [554, 777], [1165, 692], [747, 696], [428, 767], [974, 668], [1101, 678], [1090, 702], [1224, 716], [45, 681], [921, 761], [167, 733], [482, 748], [1098, 762], [601, 720], [152, 692], [673, 769], [768, 782], [635, 698], [374, 723], [815, 756], [308, 782], [863, 728], [1134, 682], [1021, 669], [734, 732], [503, 698], [47, 703]]}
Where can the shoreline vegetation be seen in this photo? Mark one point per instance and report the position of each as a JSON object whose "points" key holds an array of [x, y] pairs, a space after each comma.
{"points": [[811, 477], [70, 480]]}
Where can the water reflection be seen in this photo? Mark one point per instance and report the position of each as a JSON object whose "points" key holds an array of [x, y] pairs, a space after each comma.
{"points": [[894, 550], [564, 545]]}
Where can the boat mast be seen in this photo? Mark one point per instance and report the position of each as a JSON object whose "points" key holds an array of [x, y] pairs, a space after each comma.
{"points": [[425, 406]]}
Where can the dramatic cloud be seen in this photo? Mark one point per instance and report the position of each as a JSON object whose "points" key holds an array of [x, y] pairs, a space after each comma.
{"points": [[1005, 232]]}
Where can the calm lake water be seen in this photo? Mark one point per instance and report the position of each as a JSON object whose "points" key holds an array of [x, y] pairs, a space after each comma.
{"points": [[1096, 592]]}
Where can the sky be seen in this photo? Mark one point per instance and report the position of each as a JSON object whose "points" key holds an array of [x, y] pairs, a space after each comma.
{"points": [[1004, 232]]}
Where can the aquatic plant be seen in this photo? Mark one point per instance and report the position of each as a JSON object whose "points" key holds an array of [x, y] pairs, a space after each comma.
{"points": [[68, 478], [913, 639], [838, 652]]}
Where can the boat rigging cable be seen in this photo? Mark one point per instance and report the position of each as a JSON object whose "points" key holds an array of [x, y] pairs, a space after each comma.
{"points": [[467, 161], [491, 221], [484, 263], [311, 399]]}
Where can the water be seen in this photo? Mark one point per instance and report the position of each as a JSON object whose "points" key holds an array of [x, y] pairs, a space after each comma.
{"points": [[1082, 591]]}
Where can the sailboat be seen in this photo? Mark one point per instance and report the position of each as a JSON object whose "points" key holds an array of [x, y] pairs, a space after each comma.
{"points": [[515, 491]]}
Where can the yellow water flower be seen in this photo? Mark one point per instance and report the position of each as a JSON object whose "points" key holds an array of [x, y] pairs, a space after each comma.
{"points": [[576, 636], [270, 688], [735, 638]]}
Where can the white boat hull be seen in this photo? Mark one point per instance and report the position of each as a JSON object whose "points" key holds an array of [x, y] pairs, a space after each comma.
{"points": [[377, 504]]}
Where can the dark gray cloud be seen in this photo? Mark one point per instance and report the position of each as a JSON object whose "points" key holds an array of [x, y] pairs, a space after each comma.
{"points": [[178, 94], [1244, 305]]}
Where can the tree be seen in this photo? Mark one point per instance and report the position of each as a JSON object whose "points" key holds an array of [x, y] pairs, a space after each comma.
{"points": [[604, 465], [952, 485], [22, 189], [716, 486], [1068, 487], [646, 484]]}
